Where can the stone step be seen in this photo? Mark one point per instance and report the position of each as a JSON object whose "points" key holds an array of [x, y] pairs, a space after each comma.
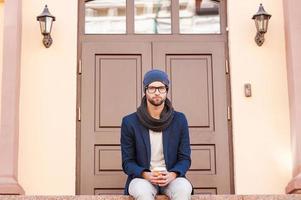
{"points": [[160, 197]]}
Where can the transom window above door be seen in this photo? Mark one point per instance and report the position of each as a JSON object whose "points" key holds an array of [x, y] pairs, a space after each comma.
{"points": [[152, 16]]}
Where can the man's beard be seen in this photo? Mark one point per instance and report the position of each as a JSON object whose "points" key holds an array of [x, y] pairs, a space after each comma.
{"points": [[156, 103]]}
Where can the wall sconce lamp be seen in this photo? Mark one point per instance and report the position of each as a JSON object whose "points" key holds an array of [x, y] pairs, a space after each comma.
{"points": [[46, 20], [261, 19]]}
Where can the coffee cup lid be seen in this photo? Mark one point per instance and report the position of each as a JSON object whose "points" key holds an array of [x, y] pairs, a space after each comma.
{"points": [[160, 169]]}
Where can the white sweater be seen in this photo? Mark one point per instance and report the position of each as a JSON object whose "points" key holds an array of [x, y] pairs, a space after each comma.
{"points": [[157, 156]]}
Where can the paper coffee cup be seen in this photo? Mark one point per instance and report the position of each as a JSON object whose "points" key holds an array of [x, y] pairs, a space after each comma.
{"points": [[158, 170]]}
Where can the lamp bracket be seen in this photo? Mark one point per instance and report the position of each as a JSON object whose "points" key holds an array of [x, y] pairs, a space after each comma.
{"points": [[259, 38], [47, 40]]}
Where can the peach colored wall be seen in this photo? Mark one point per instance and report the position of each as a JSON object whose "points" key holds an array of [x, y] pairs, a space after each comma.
{"points": [[48, 93], [261, 128], [1, 46], [47, 101]]}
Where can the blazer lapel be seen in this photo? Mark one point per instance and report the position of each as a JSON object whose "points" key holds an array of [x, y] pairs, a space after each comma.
{"points": [[165, 145], [146, 140]]}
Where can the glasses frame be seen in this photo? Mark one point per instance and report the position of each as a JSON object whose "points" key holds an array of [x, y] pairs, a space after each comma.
{"points": [[157, 88]]}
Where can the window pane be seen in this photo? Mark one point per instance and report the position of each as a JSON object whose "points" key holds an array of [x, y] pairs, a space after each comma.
{"points": [[199, 16], [105, 16], [153, 16]]}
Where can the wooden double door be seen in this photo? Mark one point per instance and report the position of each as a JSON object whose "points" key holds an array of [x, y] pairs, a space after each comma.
{"points": [[111, 87]]}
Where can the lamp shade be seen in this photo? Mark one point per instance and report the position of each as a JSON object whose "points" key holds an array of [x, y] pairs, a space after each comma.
{"points": [[46, 20], [261, 19]]}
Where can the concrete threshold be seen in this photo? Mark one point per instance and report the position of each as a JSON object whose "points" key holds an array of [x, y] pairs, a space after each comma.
{"points": [[160, 197]]}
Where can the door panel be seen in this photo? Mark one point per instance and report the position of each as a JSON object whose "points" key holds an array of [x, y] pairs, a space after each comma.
{"points": [[117, 90], [198, 88], [104, 161], [111, 88], [203, 157]]}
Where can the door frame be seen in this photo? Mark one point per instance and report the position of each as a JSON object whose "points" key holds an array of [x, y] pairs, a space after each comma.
{"points": [[131, 37]]}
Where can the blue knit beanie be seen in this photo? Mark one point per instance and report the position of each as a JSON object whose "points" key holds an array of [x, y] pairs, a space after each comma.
{"points": [[155, 75]]}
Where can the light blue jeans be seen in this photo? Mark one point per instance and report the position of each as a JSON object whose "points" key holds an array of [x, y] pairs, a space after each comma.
{"points": [[178, 189]]}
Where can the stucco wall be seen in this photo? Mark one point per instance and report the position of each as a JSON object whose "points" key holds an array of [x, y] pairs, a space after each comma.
{"points": [[48, 94], [1, 46], [260, 123], [47, 101]]}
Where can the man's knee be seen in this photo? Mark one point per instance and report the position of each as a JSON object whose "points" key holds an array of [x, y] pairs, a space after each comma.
{"points": [[141, 188], [180, 187]]}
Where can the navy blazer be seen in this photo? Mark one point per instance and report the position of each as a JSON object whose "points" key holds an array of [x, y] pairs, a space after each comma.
{"points": [[136, 149]]}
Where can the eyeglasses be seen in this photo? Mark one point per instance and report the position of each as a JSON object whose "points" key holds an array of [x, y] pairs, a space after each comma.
{"points": [[161, 89]]}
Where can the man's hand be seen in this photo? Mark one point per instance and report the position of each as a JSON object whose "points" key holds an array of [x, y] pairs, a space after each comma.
{"points": [[151, 177], [164, 178]]}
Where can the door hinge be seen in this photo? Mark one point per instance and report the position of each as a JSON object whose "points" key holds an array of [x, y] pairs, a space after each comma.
{"points": [[229, 113], [78, 114], [227, 67], [79, 70]]}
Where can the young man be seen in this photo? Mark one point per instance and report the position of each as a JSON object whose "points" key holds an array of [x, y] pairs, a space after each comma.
{"points": [[155, 145]]}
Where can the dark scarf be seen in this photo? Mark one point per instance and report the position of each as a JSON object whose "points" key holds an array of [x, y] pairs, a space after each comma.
{"points": [[149, 122]]}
